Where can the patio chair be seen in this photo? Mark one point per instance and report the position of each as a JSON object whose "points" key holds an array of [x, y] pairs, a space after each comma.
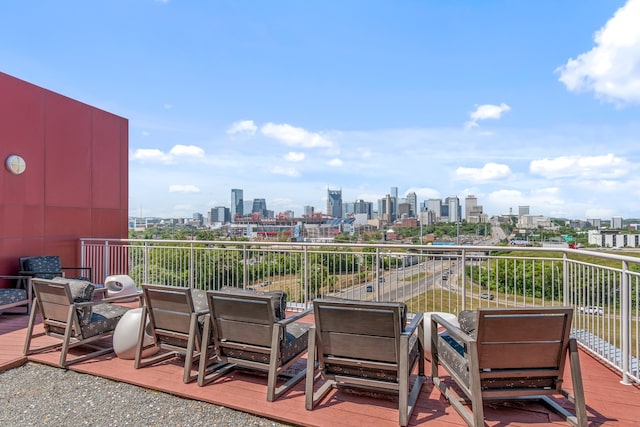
{"points": [[250, 331], [49, 266], [505, 354], [176, 317], [365, 345], [70, 315], [19, 294]]}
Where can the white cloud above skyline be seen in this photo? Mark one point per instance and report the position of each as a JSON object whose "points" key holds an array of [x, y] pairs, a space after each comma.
{"points": [[242, 127], [486, 112], [295, 136], [181, 188], [611, 69], [284, 109]]}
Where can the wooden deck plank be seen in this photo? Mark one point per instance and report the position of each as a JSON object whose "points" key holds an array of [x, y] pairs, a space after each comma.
{"points": [[608, 401]]}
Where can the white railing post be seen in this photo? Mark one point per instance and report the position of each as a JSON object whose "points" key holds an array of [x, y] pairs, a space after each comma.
{"points": [[565, 279], [245, 267], [463, 263], [146, 263], [107, 254], [625, 320], [192, 254], [305, 276], [379, 266], [83, 254]]}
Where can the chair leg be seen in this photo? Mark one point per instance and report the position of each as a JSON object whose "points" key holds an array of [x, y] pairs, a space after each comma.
{"points": [[311, 369], [207, 373], [141, 334], [32, 319], [67, 337], [191, 348], [273, 363], [578, 389]]}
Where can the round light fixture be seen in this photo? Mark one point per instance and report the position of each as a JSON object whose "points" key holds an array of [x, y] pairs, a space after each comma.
{"points": [[15, 164]]}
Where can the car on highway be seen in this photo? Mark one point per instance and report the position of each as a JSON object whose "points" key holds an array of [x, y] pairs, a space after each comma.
{"points": [[487, 296], [592, 309]]}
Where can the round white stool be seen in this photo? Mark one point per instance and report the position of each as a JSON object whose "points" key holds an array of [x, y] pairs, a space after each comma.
{"points": [[120, 285], [451, 318], [125, 336]]}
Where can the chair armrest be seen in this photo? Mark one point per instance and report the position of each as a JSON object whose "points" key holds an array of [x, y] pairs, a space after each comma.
{"points": [[452, 329], [89, 269], [33, 273], [138, 294], [415, 322], [295, 317]]}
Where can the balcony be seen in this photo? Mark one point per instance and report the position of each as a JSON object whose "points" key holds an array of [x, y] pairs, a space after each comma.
{"points": [[603, 288]]}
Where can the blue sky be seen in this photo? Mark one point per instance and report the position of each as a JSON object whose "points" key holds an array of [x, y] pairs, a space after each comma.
{"points": [[518, 103]]}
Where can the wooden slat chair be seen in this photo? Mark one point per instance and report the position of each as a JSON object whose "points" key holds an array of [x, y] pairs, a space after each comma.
{"points": [[176, 317], [250, 331], [69, 314], [365, 345], [508, 353], [49, 266], [19, 294]]}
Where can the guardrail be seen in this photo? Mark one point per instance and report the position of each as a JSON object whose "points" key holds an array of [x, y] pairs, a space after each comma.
{"points": [[603, 288]]}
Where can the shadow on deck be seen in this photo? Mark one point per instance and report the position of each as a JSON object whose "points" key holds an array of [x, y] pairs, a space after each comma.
{"points": [[608, 401]]}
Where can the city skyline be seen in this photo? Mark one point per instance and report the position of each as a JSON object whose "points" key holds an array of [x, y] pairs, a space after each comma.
{"points": [[515, 103]]}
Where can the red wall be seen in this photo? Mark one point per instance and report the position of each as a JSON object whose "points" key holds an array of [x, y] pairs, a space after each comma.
{"points": [[76, 181]]}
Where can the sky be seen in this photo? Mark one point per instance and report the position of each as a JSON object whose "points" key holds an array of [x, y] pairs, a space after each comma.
{"points": [[518, 103]]}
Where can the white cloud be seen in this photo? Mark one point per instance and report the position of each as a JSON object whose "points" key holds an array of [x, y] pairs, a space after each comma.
{"points": [[155, 155], [186, 150], [167, 106], [335, 162], [489, 172], [611, 70], [590, 167], [294, 157], [177, 188], [243, 126], [295, 137], [485, 112], [279, 170], [151, 154]]}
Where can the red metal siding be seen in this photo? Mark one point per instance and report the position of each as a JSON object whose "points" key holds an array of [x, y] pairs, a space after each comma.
{"points": [[76, 181]]}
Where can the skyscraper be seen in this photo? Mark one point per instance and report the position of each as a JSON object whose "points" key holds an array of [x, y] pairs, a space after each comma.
{"points": [[394, 204], [237, 203], [412, 199], [260, 206], [334, 203], [454, 208], [435, 206]]}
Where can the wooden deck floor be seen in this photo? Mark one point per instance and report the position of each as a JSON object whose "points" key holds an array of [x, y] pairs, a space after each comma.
{"points": [[608, 402]]}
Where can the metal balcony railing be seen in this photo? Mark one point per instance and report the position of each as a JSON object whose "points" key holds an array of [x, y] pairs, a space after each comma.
{"points": [[604, 289]]}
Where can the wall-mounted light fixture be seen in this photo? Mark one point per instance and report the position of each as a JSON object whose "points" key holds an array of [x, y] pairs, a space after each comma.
{"points": [[15, 164]]}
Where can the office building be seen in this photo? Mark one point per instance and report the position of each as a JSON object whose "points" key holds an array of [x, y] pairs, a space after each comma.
{"points": [[616, 222], [260, 207], [237, 203], [412, 199], [334, 203], [454, 209]]}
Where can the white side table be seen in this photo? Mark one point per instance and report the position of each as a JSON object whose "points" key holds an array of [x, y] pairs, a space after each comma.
{"points": [[125, 336], [120, 285], [451, 318]]}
